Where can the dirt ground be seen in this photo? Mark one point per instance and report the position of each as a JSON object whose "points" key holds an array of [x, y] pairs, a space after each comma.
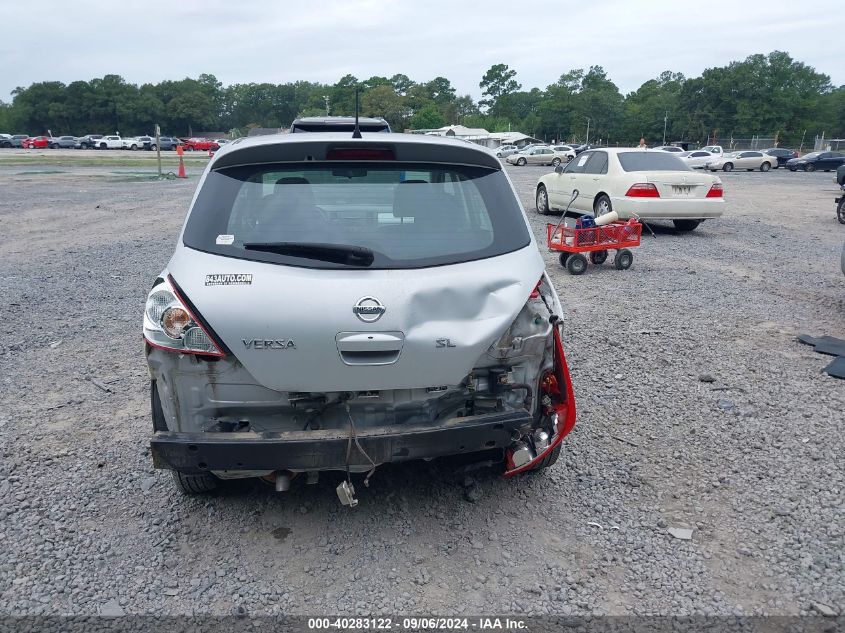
{"points": [[697, 408]]}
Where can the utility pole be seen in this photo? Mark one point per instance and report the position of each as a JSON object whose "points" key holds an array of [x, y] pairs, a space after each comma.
{"points": [[326, 99], [588, 131], [158, 148], [665, 119]]}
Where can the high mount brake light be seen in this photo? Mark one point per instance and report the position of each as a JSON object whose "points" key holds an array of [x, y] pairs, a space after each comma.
{"points": [[642, 190], [360, 153], [716, 190], [169, 324]]}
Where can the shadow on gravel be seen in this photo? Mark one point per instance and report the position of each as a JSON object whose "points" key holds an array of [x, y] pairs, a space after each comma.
{"points": [[407, 485]]}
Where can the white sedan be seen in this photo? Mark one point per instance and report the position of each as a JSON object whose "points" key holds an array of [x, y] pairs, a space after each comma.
{"points": [[748, 160], [648, 184], [697, 159]]}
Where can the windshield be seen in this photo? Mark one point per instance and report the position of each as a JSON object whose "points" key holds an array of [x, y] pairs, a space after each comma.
{"points": [[398, 215], [811, 155], [651, 161]]}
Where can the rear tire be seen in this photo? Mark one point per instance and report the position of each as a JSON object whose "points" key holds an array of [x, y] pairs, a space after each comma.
{"points": [[810, 167], [685, 226], [542, 200], [728, 167], [555, 162], [195, 484], [765, 167], [576, 264], [548, 460]]}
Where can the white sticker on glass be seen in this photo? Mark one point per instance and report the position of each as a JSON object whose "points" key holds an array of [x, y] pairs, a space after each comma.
{"points": [[225, 239]]}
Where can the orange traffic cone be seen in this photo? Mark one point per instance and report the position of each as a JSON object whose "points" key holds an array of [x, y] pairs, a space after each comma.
{"points": [[181, 173]]}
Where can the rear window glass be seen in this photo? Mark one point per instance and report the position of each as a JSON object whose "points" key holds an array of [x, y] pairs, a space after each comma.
{"points": [[408, 215], [651, 161]]}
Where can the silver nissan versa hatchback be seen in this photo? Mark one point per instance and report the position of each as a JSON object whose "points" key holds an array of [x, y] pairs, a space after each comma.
{"points": [[337, 303]]}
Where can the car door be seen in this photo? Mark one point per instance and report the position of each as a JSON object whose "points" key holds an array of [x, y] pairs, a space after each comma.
{"points": [[559, 185], [830, 160], [699, 159], [591, 179], [824, 160], [536, 156]]}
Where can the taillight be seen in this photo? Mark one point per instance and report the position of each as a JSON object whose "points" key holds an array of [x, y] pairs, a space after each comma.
{"points": [[716, 190], [360, 153], [642, 190], [169, 324]]}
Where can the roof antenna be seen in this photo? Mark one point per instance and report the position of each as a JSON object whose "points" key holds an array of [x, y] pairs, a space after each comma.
{"points": [[356, 133]]}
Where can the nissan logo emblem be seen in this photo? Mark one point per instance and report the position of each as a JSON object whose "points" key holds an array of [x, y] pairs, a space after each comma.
{"points": [[369, 309]]}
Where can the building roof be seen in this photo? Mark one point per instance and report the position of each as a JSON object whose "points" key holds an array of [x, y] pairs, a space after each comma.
{"points": [[463, 132]]}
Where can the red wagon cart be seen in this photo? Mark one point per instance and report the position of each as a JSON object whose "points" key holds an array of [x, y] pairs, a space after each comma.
{"points": [[572, 242]]}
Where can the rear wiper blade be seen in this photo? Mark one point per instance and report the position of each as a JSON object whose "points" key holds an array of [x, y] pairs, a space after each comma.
{"points": [[335, 253]]}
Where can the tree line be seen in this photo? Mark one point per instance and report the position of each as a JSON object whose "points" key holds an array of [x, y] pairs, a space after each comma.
{"points": [[763, 94]]}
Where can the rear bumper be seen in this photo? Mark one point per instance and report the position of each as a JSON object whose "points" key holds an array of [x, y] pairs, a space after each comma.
{"points": [[668, 208], [327, 449]]}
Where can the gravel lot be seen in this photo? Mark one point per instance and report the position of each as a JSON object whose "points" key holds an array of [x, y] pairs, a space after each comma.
{"points": [[697, 408]]}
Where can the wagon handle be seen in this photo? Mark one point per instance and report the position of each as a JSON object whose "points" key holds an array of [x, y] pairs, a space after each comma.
{"points": [[563, 215], [644, 224]]}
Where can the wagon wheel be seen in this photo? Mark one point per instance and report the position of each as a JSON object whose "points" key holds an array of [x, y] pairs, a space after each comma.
{"points": [[623, 260], [562, 258], [598, 257], [840, 210], [576, 264]]}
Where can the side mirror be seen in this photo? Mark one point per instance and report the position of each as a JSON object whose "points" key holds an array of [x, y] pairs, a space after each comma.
{"points": [[559, 169]]}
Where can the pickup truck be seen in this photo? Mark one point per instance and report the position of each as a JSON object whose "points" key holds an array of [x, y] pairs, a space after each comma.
{"points": [[716, 150], [116, 142]]}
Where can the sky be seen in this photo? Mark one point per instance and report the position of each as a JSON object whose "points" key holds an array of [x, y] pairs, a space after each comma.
{"points": [[322, 40]]}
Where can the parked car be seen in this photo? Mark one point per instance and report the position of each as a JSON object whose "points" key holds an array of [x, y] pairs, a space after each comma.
{"points": [[564, 152], [504, 151], [670, 148], [89, 141], [200, 145], [18, 139], [146, 142], [63, 142], [167, 143], [116, 142], [648, 184], [748, 160], [338, 124], [534, 156], [696, 159], [822, 161], [5, 140], [781, 154], [371, 375], [716, 150], [36, 142]]}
